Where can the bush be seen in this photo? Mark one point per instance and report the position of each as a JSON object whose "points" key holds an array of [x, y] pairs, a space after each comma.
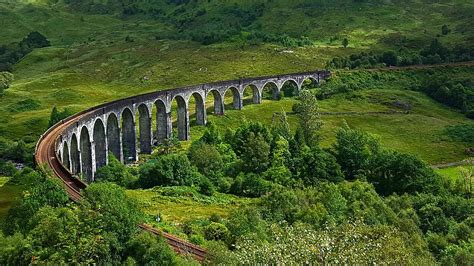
{"points": [[168, 170], [395, 172], [206, 158], [315, 165], [216, 231], [250, 185], [147, 249], [116, 172], [6, 79], [206, 187]]}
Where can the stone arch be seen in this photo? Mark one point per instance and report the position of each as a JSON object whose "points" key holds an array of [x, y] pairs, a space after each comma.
{"points": [[100, 144], [200, 109], [65, 156], [163, 121], [290, 88], [129, 148], [86, 154], [75, 159], [218, 102], [144, 126], [271, 89], [182, 118], [113, 136], [308, 83], [236, 98], [254, 92]]}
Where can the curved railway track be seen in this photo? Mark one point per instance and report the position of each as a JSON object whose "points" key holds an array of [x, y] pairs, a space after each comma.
{"points": [[45, 155]]}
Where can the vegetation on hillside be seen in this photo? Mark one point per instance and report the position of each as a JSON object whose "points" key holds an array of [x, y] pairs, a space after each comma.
{"points": [[334, 174], [356, 187]]}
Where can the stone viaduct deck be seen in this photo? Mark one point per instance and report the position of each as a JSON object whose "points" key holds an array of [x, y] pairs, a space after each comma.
{"points": [[83, 145]]}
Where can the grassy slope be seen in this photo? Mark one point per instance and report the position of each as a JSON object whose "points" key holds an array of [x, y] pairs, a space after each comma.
{"points": [[177, 205]]}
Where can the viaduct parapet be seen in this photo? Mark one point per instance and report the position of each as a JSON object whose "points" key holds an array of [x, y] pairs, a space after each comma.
{"points": [[84, 145]]}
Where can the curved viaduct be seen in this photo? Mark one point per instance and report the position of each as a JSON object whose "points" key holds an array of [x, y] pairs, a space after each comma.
{"points": [[79, 144], [86, 139]]}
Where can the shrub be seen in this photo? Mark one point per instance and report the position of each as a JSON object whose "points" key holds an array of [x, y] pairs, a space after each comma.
{"points": [[216, 231], [168, 170], [6, 79], [116, 172]]}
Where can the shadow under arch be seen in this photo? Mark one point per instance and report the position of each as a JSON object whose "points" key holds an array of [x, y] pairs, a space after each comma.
{"points": [[86, 154], [163, 121], [182, 118], [65, 156], [100, 147], [218, 102], [129, 148], [254, 93], [270, 91], [289, 88], [75, 159], [236, 98], [144, 128], [200, 109], [113, 136]]}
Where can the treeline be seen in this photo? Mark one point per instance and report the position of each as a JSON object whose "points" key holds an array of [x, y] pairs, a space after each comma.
{"points": [[455, 93], [13, 52], [435, 53]]}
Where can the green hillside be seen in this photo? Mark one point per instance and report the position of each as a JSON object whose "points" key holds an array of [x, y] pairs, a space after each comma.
{"points": [[358, 190]]}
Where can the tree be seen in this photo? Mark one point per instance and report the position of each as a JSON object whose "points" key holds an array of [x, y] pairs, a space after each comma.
{"points": [[309, 120], [169, 145], [280, 125], [6, 79], [35, 40], [168, 170], [354, 151], [445, 29], [255, 154], [239, 138], [41, 191], [211, 135], [206, 158], [390, 58], [115, 172], [394, 172], [119, 214], [57, 115], [316, 165], [147, 249], [345, 42]]}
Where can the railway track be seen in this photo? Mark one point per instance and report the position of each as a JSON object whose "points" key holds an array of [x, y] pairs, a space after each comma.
{"points": [[45, 156]]}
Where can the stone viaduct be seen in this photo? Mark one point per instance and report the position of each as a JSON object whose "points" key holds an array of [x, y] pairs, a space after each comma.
{"points": [[83, 147]]}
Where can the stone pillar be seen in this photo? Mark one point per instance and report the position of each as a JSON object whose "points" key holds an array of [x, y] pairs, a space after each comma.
{"points": [[257, 96], [169, 126], [218, 103], [238, 103], [145, 134], [201, 116], [93, 160], [183, 121]]}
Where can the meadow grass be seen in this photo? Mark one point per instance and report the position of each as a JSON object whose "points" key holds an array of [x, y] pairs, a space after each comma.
{"points": [[180, 204]]}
